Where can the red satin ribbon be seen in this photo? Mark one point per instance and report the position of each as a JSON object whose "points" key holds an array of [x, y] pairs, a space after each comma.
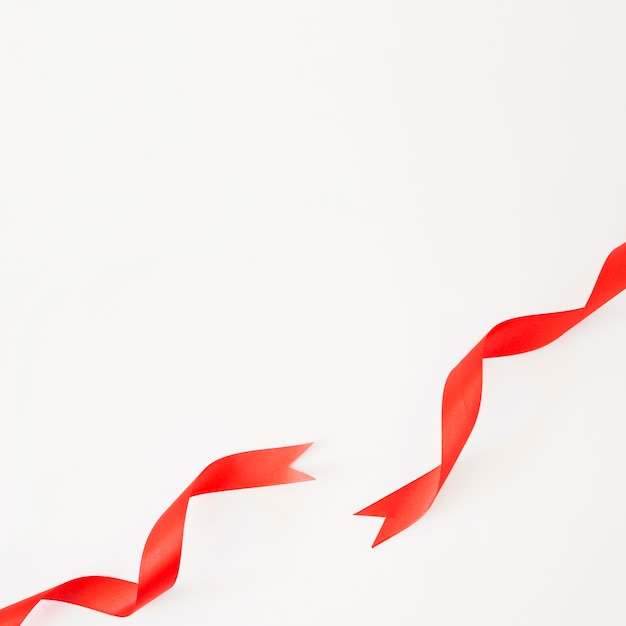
{"points": [[463, 388], [160, 560]]}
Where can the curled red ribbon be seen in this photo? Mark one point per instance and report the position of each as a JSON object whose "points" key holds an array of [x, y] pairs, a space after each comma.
{"points": [[160, 560], [463, 388]]}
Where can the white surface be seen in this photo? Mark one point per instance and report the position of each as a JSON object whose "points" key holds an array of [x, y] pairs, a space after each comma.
{"points": [[227, 226]]}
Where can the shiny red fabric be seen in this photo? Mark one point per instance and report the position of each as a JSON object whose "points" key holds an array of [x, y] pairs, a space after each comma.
{"points": [[463, 388], [160, 560]]}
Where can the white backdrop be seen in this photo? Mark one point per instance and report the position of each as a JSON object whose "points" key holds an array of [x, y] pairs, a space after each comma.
{"points": [[234, 225]]}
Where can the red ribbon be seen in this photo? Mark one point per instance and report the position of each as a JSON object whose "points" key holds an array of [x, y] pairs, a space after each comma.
{"points": [[160, 560], [463, 388]]}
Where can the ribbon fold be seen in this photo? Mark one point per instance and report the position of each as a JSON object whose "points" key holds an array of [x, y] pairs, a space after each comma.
{"points": [[160, 560], [463, 389]]}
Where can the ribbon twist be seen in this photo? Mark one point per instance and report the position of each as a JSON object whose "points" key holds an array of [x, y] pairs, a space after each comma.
{"points": [[160, 560], [463, 389]]}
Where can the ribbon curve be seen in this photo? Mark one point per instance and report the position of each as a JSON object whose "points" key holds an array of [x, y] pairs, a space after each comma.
{"points": [[463, 389], [160, 560]]}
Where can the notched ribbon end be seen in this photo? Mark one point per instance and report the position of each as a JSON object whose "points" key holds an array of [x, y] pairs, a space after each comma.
{"points": [[405, 506], [297, 451], [391, 526]]}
